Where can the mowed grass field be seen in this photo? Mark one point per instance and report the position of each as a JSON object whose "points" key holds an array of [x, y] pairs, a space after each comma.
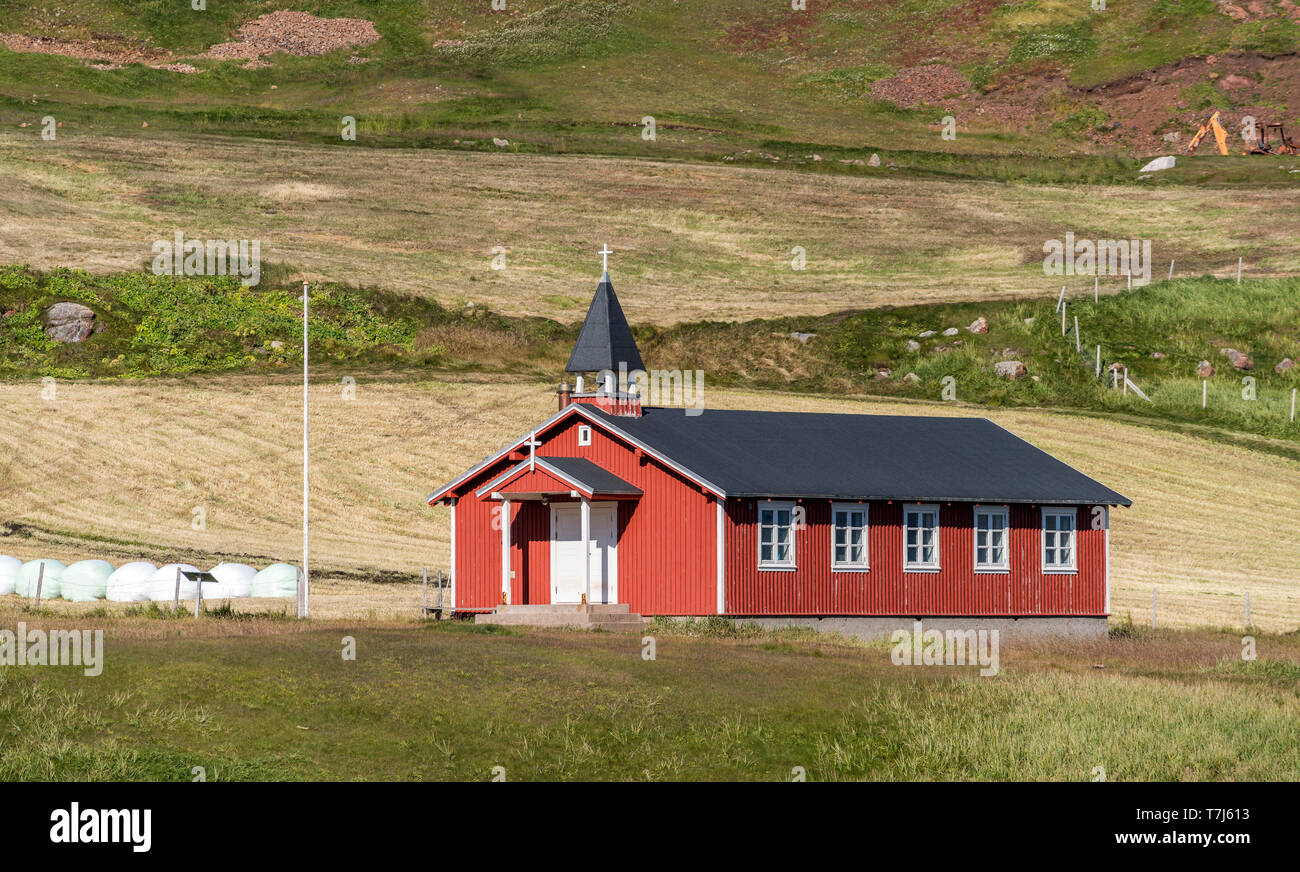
{"points": [[252, 699], [117, 469], [691, 241]]}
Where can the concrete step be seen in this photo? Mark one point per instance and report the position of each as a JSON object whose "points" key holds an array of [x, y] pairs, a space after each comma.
{"points": [[565, 608], [614, 617]]}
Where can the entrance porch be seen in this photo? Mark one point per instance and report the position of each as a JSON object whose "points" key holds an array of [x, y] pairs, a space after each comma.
{"points": [[572, 507]]}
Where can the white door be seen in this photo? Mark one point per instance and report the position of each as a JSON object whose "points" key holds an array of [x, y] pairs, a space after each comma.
{"points": [[567, 579]]}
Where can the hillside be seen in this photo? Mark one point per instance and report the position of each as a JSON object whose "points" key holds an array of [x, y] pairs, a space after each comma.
{"points": [[720, 80], [692, 241], [1160, 334]]}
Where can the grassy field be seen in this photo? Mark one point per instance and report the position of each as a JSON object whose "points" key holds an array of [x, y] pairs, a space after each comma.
{"points": [[579, 76], [258, 699], [116, 470], [691, 241]]}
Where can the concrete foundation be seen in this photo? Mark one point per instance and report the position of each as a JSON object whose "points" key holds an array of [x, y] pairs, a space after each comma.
{"points": [[1009, 629]]}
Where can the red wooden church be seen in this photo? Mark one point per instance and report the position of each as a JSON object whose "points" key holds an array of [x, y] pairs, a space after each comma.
{"points": [[858, 523]]}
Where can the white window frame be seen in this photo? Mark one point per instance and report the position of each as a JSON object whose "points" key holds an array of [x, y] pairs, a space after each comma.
{"points": [[584, 434], [1005, 565], [851, 566], [775, 565], [934, 566], [1060, 568]]}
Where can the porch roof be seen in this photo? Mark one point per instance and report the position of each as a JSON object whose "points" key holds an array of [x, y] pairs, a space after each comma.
{"points": [[565, 474]]}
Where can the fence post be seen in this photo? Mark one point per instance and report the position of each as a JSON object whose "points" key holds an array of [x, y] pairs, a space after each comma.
{"points": [[40, 577], [176, 599], [424, 596], [1078, 346], [1171, 270], [1238, 270]]}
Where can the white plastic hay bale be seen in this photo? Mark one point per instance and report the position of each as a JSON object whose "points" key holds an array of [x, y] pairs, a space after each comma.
{"points": [[162, 584], [130, 583], [277, 580], [50, 588], [11, 569], [86, 580], [233, 580]]}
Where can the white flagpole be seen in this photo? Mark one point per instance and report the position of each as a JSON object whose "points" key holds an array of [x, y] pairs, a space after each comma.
{"points": [[305, 593]]}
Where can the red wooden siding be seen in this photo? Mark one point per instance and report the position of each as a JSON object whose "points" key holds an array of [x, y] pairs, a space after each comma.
{"points": [[666, 540], [534, 481], [886, 589], [667, 558]]}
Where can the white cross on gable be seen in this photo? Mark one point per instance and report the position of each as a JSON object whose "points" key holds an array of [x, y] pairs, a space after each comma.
{"points": [[532, 444], [605, 252]]}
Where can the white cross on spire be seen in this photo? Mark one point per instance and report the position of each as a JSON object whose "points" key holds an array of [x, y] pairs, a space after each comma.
{"points": [[532, 444], [605, 252]]}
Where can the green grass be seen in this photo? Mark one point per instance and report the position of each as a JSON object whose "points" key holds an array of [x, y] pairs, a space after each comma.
{"points": [[452, 702], [755, 75], [170, 326]]}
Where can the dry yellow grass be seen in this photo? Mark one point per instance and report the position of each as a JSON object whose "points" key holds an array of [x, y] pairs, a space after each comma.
{"points": [[691, 241], [115, 470]]}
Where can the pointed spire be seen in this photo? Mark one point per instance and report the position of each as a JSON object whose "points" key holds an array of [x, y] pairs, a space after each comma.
{"points": [[605, 340]]}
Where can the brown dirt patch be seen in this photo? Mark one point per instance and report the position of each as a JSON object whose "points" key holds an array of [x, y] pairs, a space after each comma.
{"points": [[295, 33], [1148, 113], [913, 87], [114, 50], [1149, 106], [784, 29]]}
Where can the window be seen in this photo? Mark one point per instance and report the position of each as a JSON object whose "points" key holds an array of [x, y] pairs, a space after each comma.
{"points": [[776, 536], [848, 536], [990, 540], [584, 435], [1058, 540], [921, 537]]}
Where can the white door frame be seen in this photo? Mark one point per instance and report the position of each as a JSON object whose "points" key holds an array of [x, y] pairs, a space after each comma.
{"points": [[596, 509]]}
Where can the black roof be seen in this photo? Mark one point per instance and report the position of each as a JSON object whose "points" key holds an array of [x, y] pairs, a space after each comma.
{"points": [[790, 454], [605, 340], [596, 478]]}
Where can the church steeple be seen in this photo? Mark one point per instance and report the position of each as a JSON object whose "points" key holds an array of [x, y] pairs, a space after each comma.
{"points": [[605, 341]]}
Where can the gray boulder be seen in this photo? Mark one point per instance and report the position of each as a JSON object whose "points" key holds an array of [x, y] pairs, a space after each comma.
{"points": [[1012, 369], [71, 322]]}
